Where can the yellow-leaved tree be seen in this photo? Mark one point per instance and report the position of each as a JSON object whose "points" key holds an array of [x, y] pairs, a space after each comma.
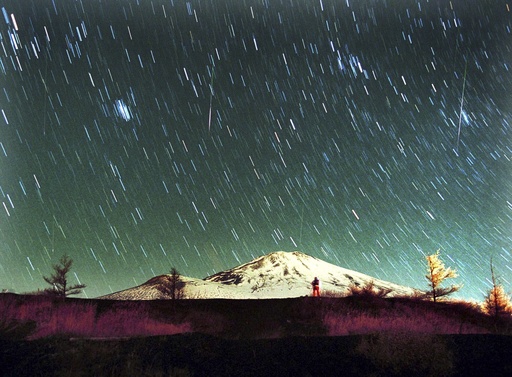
{"points": [[437, 274], [497, 304]]}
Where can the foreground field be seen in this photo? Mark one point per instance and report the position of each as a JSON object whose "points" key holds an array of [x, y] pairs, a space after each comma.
{"points": [[43, 316], [306, 336], [203, 355]]}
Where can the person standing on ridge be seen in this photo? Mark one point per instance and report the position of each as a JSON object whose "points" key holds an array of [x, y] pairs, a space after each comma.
{"points": [[316, 287]]}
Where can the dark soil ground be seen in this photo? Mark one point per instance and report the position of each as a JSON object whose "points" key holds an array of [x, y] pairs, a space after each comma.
{"points": [[202, 355]]}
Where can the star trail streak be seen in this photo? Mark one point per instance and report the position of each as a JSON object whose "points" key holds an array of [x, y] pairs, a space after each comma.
{"points": [[140, 135]]}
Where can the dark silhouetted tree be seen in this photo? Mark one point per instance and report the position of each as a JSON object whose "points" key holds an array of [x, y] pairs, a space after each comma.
{"points": [[59, 279], [174, 285], [497, 304], [437, 274]]}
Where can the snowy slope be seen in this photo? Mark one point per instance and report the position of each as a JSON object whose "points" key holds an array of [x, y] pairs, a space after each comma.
{"points": [[275, 275], [152, 290], [289, 274]]}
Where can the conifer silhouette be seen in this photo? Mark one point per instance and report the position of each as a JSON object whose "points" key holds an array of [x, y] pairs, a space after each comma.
{"points": [[174, 285], [59, 279]]}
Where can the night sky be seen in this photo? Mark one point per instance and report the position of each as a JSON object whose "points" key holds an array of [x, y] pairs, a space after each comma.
{"points": [[139, 135]]}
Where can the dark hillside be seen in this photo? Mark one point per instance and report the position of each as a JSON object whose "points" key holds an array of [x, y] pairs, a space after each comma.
{"points": [[41, 335], [242, 319]]}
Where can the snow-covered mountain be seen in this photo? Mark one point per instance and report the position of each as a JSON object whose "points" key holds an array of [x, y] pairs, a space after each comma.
{"points": [[275, 275]]}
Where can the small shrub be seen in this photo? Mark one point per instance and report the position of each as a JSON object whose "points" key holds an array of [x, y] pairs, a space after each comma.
{"points": [[368, 290]]}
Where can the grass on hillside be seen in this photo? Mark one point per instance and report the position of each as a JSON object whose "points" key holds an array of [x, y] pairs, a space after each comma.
{"points": [[360, 335], [49, 316], [42, 316]]}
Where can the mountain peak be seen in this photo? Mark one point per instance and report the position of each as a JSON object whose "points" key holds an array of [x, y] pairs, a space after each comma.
{"points": [[278, 274], [289, 274], [275, 264]]}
